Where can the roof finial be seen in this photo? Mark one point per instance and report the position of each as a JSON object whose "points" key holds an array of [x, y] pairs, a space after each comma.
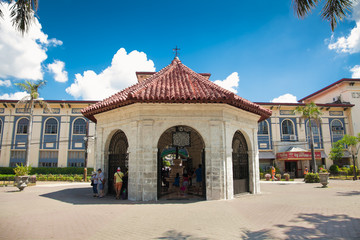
{"points": [[176, 49]]}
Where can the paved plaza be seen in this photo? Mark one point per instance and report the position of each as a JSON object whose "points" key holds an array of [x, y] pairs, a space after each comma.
{"points": [[281, 211]]}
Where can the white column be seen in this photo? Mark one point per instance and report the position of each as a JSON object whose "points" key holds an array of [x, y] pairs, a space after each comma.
{"points": [[64, 139], [8, 129]]}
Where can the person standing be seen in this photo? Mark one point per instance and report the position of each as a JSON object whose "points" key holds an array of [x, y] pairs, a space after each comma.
{"points": [[94, 183], [198, 173], [273, 173], [306, 171], [101, 182], [118, 181]]}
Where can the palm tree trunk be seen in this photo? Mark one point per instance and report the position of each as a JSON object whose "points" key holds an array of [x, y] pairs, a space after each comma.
{"points": [[27, 154], [312, 147]]}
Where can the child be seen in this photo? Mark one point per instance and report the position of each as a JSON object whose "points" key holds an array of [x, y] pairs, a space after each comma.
{"points": [[185, 183]]}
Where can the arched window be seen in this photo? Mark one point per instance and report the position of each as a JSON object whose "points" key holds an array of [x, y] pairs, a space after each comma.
{"points": [[314, 128], [287, 127], [263, 128], [337, 127], [51, 126], [79, 126], [23, 125]]}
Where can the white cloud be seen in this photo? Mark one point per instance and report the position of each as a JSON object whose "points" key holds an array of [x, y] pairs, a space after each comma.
{"points": [[230, 83], [286, 98], [22, 56], [57, 68], [119, 75], [351, 43], [355, 71], [13, 96], [5, 83]]}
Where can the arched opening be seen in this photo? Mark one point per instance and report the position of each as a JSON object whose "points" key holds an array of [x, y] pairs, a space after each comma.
{"points": [[240, 160], [181, 150], [118, 157]]}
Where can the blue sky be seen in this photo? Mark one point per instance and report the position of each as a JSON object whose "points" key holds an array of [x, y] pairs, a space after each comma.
{"points": [[259, 49]]}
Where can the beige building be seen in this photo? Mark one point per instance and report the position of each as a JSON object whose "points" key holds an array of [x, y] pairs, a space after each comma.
{"points": [[57, 137], [284, 138]]}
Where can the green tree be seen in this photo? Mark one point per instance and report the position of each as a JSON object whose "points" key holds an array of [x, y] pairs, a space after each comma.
{"points": [[353, 143], [337, 151], [29, 101], [332, 11], [312, 113]]}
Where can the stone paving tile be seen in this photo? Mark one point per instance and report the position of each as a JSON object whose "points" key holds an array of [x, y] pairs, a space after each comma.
{"points": [[281, 211]]}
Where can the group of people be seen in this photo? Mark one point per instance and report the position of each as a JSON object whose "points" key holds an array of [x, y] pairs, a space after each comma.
{"points": [[98, 182], [187, 180]]}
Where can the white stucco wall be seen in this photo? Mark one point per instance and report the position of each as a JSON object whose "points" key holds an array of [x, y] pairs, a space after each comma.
{"points": [[143, 125]]}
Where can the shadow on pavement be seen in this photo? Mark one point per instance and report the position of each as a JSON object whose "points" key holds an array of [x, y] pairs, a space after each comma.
{"points": [[174, 235], [79, 196], [339, 226], [348, 194], [331, 226]]}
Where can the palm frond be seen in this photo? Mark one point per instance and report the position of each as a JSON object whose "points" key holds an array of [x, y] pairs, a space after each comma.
{"points": [[22, 15], [304, 7], [336, 10], [24, 101], [1, 13], [44, 105], [23, 86]]}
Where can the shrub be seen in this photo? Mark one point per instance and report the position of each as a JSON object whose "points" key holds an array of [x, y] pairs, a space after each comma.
{"points": [[351, 170], [22, 170], [6, 170], [7, 177], [323, 170], [278, 176], [262, 175], [41, 177], [312, 178], [78, 178], [32, 179], [334, 169]]}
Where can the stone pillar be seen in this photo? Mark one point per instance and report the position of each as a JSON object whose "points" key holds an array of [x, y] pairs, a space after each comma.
{"points": [[215, 187], [254, 176], [133, 177], [146, 164], [229, 188]]}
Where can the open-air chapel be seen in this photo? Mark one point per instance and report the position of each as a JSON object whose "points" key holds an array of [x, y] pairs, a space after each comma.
{"points": [[172, 121]]}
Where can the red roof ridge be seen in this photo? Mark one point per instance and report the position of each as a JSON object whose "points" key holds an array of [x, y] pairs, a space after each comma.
{"points": [[175, 83]]}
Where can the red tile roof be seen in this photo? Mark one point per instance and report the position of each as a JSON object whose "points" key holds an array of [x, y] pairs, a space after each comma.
{"points": [[175, 83], [330, 86]]}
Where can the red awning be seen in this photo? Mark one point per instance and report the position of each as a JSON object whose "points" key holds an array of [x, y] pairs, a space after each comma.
{"points": [[288, 156]]}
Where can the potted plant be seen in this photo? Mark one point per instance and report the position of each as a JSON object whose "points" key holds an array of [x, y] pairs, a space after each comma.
{"points": [[267, 177], [22, 176], [287, 176], [324, 177], [278, 177]]}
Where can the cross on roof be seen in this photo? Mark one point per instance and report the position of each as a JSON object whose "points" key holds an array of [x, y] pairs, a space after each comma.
{"points": [[176, 49]]}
